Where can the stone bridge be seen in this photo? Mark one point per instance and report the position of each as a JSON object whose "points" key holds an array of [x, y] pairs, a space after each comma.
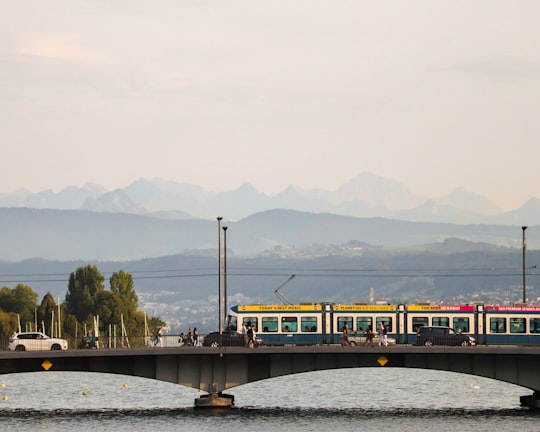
{"points": [[214, 370]]}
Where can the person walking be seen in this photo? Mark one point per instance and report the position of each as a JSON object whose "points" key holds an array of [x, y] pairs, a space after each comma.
{"points": [[251, 336], [245, 334], [383, 340], [90, 342], [159, 337], [369, 336], [345, 336]]}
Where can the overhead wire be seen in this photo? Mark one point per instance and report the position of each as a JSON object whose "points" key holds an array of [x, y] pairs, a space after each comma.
{"points": [[282, 272]]}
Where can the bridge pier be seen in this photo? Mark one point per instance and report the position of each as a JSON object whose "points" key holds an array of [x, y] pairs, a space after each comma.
{"points": [[531, 401], [215, 400]]}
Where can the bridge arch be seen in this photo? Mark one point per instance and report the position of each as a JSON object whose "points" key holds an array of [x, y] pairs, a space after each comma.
{"points": [[381, 388], [341, 389]]}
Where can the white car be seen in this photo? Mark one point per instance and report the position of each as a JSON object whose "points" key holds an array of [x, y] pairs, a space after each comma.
{"points": [[35, 341], [356, 339]]}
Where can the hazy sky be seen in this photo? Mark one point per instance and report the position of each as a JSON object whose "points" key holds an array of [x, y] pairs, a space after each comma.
{"points": [[435, 94]]}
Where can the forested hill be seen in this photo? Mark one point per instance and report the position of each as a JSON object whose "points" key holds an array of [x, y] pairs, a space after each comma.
{"points": [[83, 235], [183, 289], [407, 275]]}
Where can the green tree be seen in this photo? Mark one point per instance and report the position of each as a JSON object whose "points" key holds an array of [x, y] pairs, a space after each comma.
{"points": [[109, 308], [6, 299], [8, 326], [70, 325], [21, 300], [83, 288], [87, 298], [25, 301], [45, 311], [122, 286]]}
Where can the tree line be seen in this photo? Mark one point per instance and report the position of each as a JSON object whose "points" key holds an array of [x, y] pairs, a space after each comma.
{"points": [[86, 298]]}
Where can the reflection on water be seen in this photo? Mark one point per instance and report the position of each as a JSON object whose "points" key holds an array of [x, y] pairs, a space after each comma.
{"points": [[275, 419], [375, 399]]}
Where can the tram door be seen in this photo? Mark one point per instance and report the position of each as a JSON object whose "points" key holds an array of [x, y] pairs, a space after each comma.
{"points": [[327, 333], [401, 324], [480, 324]]}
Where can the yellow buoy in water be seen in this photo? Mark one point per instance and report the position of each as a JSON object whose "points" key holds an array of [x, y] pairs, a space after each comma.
{"points": [[84, 393], [3, 385], [5, 398], [125, 385]]}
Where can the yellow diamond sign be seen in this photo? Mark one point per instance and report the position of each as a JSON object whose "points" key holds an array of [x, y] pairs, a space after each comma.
{"points": [[382, 360], [46, 365]]}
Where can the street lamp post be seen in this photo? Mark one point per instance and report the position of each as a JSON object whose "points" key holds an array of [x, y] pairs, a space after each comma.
{"points": [[225, 272], [524, 244], [219, 275]]}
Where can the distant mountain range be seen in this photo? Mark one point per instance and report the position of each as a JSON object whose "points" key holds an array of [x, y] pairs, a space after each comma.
{"points": [[165, 233], [159, 218], [365, 196]]}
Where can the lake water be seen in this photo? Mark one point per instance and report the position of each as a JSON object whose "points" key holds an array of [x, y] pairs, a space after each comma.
{"points": [[370, 399]]}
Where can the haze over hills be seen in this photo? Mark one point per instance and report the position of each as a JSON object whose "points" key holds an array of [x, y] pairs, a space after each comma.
{"points": [[165, 234], [100, 236], [366, 195]]}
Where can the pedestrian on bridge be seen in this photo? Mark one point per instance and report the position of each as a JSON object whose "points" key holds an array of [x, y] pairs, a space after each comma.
{"points": [[369, 336], [159, 337], [250, 336], [383, 340], [345, 336]]}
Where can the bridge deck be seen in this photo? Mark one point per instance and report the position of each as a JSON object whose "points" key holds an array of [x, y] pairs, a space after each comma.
{"points": [[311, 349]]}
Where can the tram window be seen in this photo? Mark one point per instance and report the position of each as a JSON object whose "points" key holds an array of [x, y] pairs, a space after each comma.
{"points": [[250, 321], [534, 324], [441, 321], [461, 325], [342, 320], [308, 324], [517, 325], [232, 322], [387, 322], [362, 323], [497, 325], [418, 322], [289, 324], [269, 324]]}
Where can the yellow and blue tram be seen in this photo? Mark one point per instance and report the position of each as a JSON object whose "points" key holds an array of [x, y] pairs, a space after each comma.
{"points": [[322, 323]]}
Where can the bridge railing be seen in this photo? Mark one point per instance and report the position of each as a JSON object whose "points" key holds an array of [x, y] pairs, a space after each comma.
{"points": [[112, 342], [166, 341]]}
